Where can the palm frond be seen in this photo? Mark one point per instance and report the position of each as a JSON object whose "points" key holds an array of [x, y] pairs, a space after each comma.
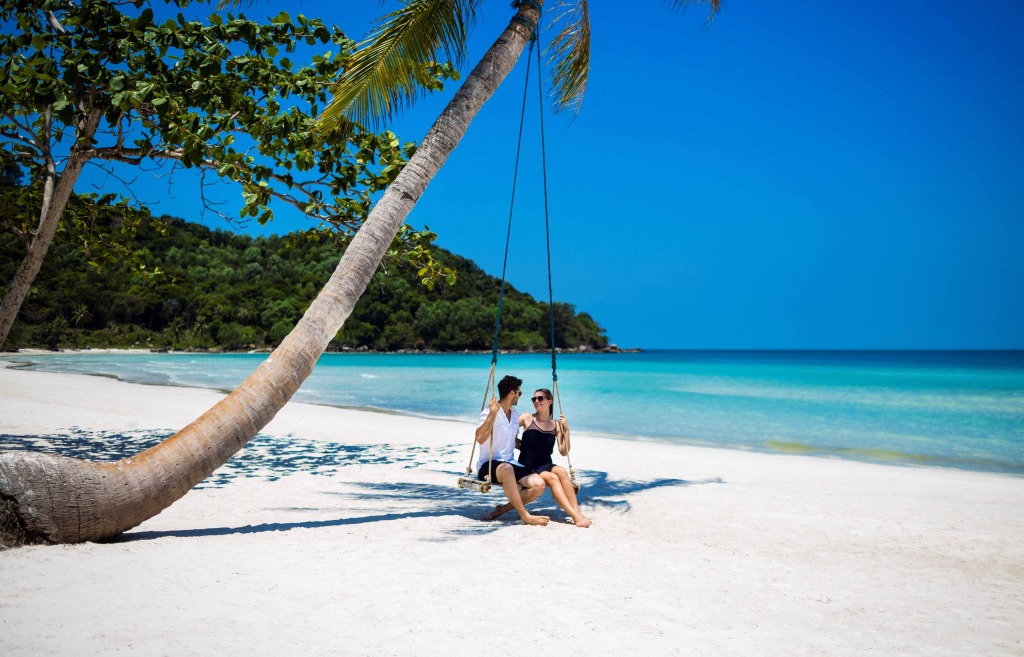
{"points": [[713, 6], [569, 54], [388, 70]]}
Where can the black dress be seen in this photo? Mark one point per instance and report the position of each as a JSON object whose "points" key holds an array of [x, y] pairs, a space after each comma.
{"points": [[536, 448]]}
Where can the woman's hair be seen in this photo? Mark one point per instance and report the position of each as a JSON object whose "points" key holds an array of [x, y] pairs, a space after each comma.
{"points": [[547, 393], [551, 411]]}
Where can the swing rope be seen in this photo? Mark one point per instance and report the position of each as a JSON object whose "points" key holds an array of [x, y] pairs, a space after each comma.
{"points": [[512, 206], [489, 388], [547, 241], [504, 266]]}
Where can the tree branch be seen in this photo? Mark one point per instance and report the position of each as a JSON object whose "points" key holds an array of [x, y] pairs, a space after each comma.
{"points": [[127, 184], [44, 143], [20, 138], [135, 156], [26, 127], [54, 23]]}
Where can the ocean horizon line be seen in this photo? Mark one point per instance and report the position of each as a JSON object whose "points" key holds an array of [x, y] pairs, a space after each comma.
{"points": [[612, 348]]}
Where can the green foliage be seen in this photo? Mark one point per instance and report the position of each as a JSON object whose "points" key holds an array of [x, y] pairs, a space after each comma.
{"points": [[51, 334], [10, 173], [569, 54], [228, 96], [102, 226], [396, 62], [221, 290]]}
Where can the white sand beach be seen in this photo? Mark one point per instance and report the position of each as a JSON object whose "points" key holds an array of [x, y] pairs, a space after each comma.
{"points": [[693, 551]]}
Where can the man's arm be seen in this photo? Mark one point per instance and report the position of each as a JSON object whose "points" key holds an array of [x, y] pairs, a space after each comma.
{"points": [[483, 432]]}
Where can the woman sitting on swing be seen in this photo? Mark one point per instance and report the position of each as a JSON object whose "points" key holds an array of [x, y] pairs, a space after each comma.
{"points": [[541, 434]]}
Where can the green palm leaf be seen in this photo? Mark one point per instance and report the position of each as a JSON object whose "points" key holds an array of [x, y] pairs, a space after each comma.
{"points": [[392, 66], [714, 5], [569, 54]]}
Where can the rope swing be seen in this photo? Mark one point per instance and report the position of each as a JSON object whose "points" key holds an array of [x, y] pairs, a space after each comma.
{"points": [[470, 481]]}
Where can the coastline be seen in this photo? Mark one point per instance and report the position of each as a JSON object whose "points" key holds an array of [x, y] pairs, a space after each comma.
{"points": [[582, 349], [694, 550]]}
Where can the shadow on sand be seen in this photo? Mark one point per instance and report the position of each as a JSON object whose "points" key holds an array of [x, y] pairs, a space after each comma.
{"points": [[272, 458], [440, 501], [264, 456]]}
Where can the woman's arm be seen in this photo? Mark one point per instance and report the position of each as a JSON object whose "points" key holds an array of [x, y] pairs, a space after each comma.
{"points": [[525, 420], [563, 435]]}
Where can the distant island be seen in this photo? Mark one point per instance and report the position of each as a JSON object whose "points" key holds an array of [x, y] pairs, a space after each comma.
{"points": [[225, 291]]}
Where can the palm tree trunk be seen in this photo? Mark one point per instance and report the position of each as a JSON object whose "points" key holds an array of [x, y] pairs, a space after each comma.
{"points": [[45, 498]]}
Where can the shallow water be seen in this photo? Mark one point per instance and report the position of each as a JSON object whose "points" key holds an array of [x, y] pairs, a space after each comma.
{"points": [[954, 409]]}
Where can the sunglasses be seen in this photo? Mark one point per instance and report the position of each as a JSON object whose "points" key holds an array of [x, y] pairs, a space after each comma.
{"points": [[537, 400]]}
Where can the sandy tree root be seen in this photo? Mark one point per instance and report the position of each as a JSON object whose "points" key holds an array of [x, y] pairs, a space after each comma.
{"points": [[42, 493], [12, 529], [46, 498]]}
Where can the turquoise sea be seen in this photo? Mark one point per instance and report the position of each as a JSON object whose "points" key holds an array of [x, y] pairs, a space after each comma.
{"points": [[953, 409]]}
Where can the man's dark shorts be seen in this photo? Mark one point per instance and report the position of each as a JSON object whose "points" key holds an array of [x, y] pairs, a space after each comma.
{"points": [[521, 471]]}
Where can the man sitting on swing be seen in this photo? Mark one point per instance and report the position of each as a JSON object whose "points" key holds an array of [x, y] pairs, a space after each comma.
{"points": [[499, 424]]}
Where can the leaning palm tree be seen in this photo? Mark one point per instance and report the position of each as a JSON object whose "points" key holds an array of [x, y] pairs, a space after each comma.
{"points": [[54, 499]]}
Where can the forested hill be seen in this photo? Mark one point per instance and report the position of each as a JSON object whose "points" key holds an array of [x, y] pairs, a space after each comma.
{"points": [[221, 290]]}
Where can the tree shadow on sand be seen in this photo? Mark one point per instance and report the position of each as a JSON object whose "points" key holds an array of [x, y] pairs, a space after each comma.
{"points": [[597, 489], [273, 458], [263, 457], [436, 502]]}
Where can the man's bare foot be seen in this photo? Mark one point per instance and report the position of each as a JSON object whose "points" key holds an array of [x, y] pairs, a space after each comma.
{"points": [[498, 511], [540, 521]]}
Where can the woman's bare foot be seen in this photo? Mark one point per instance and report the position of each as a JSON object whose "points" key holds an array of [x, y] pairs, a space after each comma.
{"points": [[540, 521], [582, 521]]}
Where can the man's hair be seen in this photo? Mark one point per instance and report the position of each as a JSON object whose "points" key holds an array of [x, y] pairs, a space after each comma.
{"points": [[507, 385]]}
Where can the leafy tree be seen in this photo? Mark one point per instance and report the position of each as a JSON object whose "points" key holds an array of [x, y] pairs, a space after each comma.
{"points": [[104, 82], [10, 172]]}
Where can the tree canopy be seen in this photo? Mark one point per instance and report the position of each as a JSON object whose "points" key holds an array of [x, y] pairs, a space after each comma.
{"points": [[111, 84], [223, 95]]}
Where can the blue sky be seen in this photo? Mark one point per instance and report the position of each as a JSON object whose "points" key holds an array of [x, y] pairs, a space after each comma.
{"points": [[795, 176]]}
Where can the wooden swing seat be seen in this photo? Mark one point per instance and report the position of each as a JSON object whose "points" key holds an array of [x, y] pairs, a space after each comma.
{"points": [[469, 482]]}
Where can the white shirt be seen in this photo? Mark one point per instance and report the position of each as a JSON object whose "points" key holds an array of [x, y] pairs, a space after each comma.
{"points": [[503, 433]]}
